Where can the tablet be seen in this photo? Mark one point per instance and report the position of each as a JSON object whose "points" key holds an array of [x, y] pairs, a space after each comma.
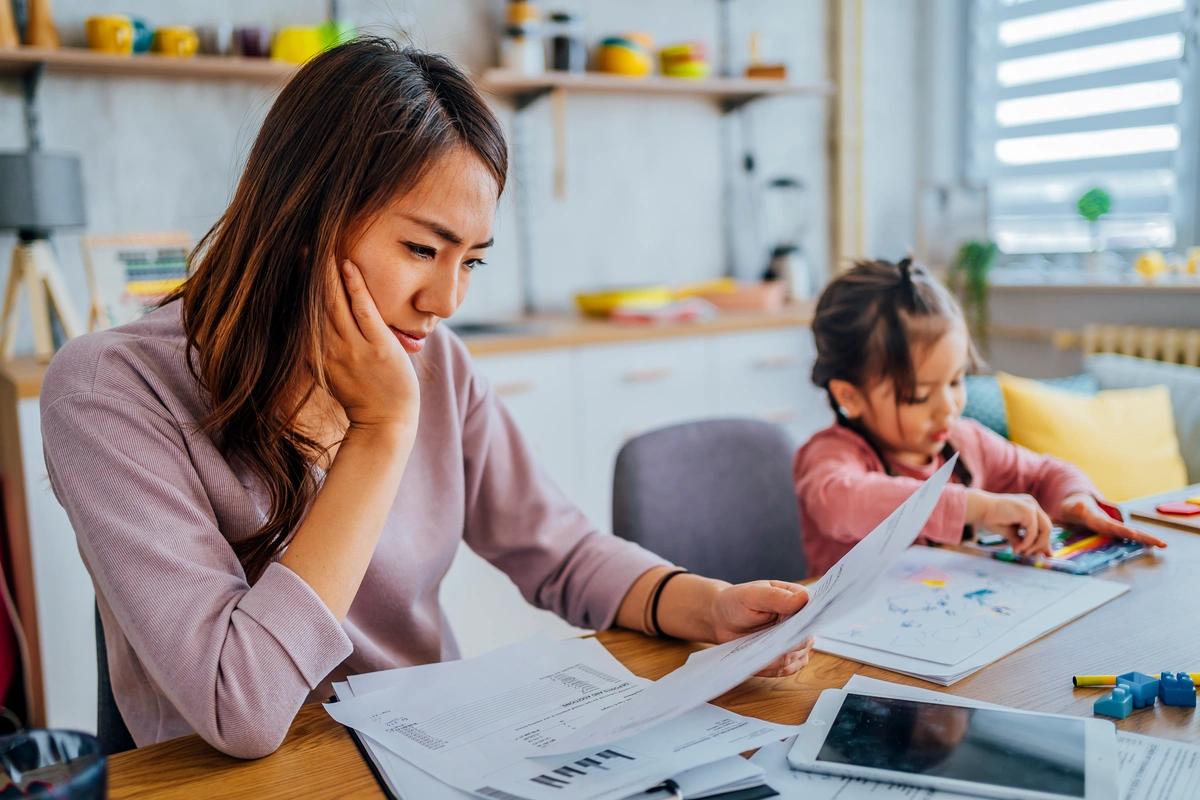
{"points": [[977, 751]]}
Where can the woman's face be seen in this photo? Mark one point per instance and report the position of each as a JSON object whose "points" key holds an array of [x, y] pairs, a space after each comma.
{"points": [[418, 253]]}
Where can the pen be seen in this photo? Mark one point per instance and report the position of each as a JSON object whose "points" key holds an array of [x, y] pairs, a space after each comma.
{"points": [[1111, 680]]}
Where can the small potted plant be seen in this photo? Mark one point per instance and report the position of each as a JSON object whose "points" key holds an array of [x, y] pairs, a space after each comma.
{"points": [[969, 279], [1092, 205]]}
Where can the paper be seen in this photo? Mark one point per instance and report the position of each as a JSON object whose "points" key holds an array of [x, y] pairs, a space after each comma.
{"points": [[795, 785], [404, 780], [475, 724], [1149, 768], [409, 782], [713, 671], [943, 606], [977, 608]]}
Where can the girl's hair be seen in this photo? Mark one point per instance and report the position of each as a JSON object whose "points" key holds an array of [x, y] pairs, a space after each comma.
{"points": [[354, 127], [870, 318]]}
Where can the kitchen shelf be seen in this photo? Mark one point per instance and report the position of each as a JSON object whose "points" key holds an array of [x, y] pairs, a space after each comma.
{"points": [[734, 91], [78, 61]]}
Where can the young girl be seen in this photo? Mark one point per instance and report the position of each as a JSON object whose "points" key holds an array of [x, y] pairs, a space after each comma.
{"points": [[892, 351], [269, 475]]}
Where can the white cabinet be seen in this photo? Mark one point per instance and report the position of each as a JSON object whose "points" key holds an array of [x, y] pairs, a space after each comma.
{"points": [[766, 374], [627, 390], [538, 390]]}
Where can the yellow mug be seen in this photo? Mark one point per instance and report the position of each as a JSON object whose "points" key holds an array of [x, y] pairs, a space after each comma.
{"points": [[176, 40], [110, 33], [297, 44]]}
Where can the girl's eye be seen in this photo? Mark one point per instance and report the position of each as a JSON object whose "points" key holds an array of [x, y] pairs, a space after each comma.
{"points": [[916, 401], [475, 263], [421, 251]]}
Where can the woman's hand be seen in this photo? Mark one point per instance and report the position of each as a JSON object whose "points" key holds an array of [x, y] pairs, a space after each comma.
{"points": [[749, 607], [1010, 514], [369, 373], [1082, 511]]}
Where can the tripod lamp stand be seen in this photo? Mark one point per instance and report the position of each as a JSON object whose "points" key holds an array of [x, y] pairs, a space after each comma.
{"points": [[39, 193]]}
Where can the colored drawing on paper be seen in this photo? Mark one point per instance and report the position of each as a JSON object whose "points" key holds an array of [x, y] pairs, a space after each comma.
{"points": [[947, 610]]}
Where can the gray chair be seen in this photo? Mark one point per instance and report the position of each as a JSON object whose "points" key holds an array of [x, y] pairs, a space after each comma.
{"points": [[713, 496], [110, 726]]}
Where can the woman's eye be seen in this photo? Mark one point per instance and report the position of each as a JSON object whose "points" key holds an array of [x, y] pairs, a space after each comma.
{"points": [[916, 401], [421, 251], [474, 263]]}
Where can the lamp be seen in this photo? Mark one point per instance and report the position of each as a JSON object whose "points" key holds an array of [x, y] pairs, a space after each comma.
{"points": [[39, 193]]}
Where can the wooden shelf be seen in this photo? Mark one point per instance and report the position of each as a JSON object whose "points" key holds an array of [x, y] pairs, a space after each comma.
{"points": [[78, 61], [509, 84]]}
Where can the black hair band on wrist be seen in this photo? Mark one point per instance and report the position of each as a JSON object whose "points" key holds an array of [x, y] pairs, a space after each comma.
{"points": [[658, 590]]}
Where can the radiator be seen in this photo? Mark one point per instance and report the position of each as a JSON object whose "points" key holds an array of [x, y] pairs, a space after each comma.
{"points": [[1173, 345]]}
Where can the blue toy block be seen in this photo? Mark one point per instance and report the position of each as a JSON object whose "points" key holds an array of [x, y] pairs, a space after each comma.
{"points": [[1119, 703], [1177, 690], [1143, 687]]}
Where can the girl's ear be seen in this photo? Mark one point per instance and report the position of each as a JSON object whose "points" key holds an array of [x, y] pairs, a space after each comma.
{"points": [[848, 397]]}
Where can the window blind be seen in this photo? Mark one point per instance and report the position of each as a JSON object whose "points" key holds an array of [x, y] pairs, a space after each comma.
{"points": [[1067, 95]]}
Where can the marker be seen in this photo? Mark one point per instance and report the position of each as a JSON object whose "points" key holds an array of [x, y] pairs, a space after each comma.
{"points": [[1111, 680]]}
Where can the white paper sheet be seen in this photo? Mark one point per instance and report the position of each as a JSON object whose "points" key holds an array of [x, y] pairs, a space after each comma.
{"points": [[713, 671], [1089, 594], [476, 724], [942, 606], [408, 782], [1149, 768]]}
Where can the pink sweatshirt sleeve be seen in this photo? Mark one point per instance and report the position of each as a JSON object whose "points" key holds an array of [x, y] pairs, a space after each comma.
{"points": [[236, 660], [1012, 469], [844, 496], [521, 522]]}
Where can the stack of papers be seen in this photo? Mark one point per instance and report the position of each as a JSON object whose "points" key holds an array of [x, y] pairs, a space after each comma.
{"points": [[551, 719], [481, 727], [941, 615], [1149, 769]]}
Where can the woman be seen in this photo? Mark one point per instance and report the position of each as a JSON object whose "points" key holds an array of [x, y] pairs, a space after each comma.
{"points": [[269, 474]]}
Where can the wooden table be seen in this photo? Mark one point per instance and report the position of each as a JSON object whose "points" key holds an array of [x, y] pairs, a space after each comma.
{"points": [[1149, 629]]}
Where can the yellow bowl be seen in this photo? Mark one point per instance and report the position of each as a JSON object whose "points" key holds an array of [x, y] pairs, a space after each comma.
{"points": [[602, 303]]}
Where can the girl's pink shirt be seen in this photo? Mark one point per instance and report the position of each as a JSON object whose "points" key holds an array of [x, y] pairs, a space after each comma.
{"points": [[845, 492]]}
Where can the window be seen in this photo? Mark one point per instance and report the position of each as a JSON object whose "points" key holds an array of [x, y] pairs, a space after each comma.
{"points": [[1067, 95]]}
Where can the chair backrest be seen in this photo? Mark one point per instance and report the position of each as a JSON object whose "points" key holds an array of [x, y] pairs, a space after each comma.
{"points": [[110, 726], [713, 496]]}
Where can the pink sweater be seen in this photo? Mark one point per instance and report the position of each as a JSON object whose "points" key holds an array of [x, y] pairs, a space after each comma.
{"points": [[192, 646], [844, 491]]}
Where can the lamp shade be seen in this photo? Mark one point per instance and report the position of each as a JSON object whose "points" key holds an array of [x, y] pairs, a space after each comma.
{"points": [[40, 192]]}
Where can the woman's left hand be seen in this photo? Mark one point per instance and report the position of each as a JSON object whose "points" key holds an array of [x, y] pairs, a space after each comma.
{"points": [[1082, 511], [749, 607]]}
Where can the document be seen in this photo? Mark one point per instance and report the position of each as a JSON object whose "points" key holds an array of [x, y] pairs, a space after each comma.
{"points": [[407, 782], [476, 724], [715, 670], [940, 615]]}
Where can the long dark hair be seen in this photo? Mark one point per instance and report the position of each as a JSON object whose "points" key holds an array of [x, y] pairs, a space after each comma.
{"points": [[870, 318], [355, 126]]}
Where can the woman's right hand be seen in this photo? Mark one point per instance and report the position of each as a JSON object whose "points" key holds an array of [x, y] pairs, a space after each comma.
{"points": [[1010, 514], [369, 373]]}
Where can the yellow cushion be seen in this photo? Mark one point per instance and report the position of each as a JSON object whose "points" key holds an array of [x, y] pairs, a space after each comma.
{"points": [[1123, 439]]}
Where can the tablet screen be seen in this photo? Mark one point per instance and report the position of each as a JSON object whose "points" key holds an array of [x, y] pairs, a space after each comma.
{"points": [[970, 744]]}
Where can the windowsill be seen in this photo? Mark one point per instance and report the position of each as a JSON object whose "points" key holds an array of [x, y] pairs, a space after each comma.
{"points": [[1025, 280]]}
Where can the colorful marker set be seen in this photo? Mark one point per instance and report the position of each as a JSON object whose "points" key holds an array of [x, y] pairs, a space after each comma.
{"points": [[1079, 553]]}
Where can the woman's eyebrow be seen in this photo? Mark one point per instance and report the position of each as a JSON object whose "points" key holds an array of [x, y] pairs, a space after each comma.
{"points": [[444, 233]]}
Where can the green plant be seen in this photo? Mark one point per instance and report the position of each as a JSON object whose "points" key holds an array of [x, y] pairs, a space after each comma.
{"points": [[1094, 204], [969, 279]]}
